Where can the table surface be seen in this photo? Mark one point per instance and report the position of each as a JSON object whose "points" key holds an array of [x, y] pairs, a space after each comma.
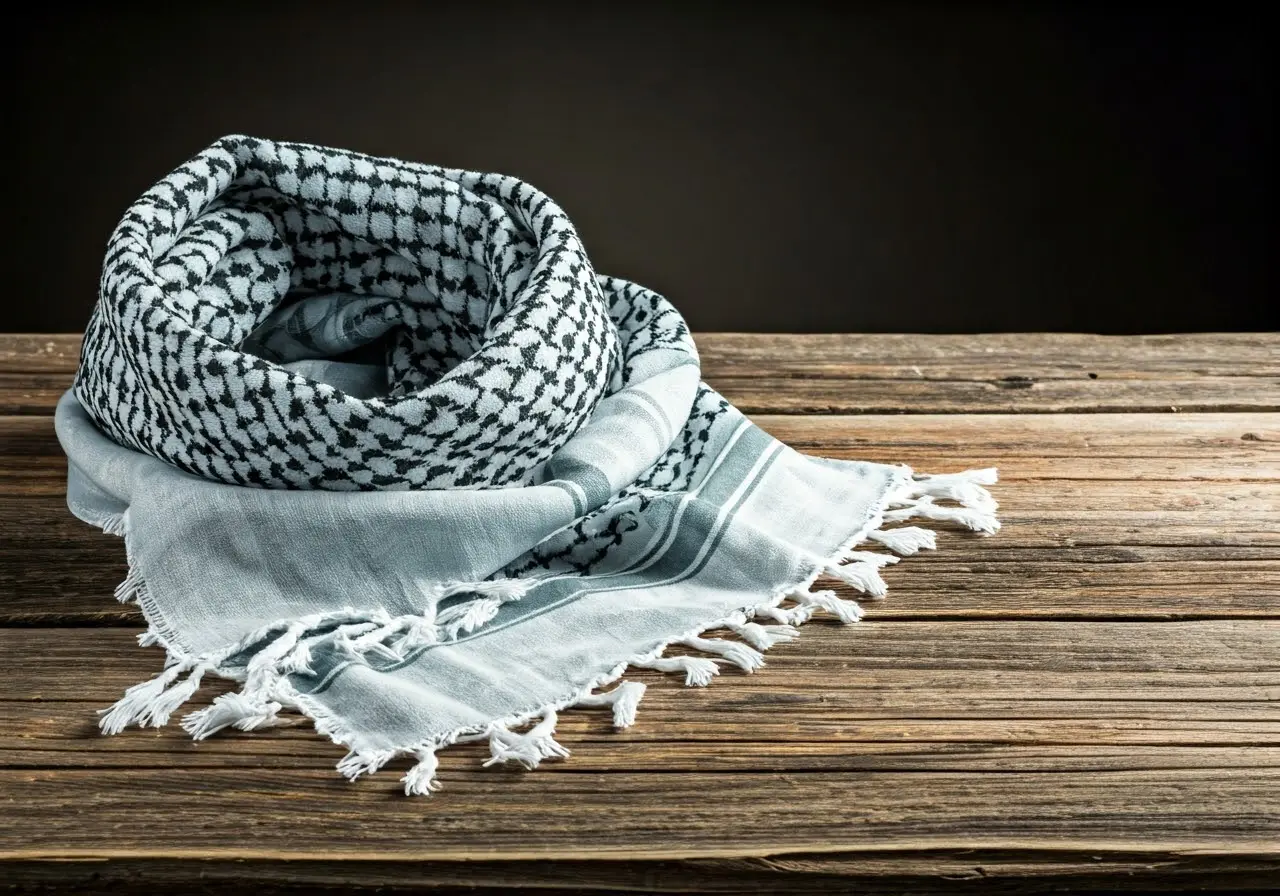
{"points": [[1088, 698]]}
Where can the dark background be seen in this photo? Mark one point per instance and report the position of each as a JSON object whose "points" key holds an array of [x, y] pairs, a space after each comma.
{"points": [[778, 166]]}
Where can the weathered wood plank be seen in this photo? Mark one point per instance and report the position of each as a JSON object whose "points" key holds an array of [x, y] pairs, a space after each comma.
{"points": [[1222, 447], [1047, 660], [933, 728], [1025, 447], [39, 352], [37, 393], [973, 685], [804, 732], [986, 355], [892, 872], [1043, 355], [1051, 446], [755, 394], [299, 814], [54, 585], [877, 373], [1241, 647], [33, 743]]}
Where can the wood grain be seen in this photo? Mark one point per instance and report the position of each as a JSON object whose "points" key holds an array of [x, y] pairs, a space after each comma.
{"points": [[634, 815], [885, 871], [1089, 700], [987, 658], [888, 373], [974, 696]]}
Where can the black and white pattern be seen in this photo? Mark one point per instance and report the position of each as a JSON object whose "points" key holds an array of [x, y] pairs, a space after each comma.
{"points": [[472, 289], [447, 480]]}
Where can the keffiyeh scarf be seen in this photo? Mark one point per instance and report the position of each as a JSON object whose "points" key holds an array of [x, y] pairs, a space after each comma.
{"points": [[386, 450]]}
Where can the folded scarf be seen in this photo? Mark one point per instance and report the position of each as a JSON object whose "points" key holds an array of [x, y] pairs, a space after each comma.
{"points": [[385, 449]]}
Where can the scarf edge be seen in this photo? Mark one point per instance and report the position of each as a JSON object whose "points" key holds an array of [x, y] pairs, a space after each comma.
{"points": [[266, 691]]}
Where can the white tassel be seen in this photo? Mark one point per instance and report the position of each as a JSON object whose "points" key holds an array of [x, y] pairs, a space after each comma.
{"points": [[507, 746], [964, 488], [762, 637], [624, 699], [529, 748], [375, 641], [971, 518], [264, 663], [863, 576], [149, 638], [869, 557], [418, 633], [345, 639], [746, 658], [698, 670], [502, 589], [166, 704], [127, 591], [797, 615], [777, 614], [421, 779], [906, 540], [297, 660], [137, 701], [231, 710], [467, 617], [355, 764], [846, 611]]}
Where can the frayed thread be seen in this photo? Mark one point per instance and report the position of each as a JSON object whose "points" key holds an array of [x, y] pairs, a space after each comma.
{"points": [[697, 670], [127, 591], [624, 700], [905, 540], [528, 748], [763, 637], [977, 510], [746, 658], [144, 703], [282, 649], [232, 710], [466, 618], [863, 575], [357, 763], [964, 488], [797, 615], [979, 521], [847, 611], [420, 780]]}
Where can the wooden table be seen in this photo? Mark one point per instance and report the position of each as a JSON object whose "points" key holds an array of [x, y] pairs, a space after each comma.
{"points": [[1089, 698]]}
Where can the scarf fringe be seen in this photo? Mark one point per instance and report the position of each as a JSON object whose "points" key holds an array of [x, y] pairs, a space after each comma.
{"points": [[762, 637], [420, 780], [698, 671], [284, 648], [905, 540], [624, 700], [529, 748]]}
